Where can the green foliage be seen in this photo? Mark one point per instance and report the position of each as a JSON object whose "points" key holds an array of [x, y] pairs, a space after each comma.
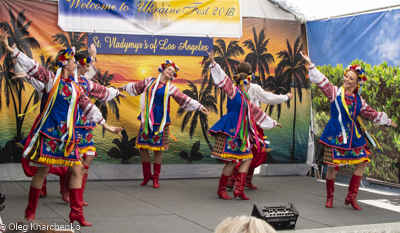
{"points": [[382, 93]]}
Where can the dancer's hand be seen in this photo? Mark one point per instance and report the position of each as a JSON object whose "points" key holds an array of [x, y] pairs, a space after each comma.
{"points": [[289, 95], [114, 130], [122, 95], [393, 124], [120, 88], [20, 75], [204, 110], [4, 41], [211, 56], [306, 58], [279, 125], [92, 50]]}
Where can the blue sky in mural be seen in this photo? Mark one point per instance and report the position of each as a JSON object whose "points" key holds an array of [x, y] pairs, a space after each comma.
{"points": [[373, 38]]}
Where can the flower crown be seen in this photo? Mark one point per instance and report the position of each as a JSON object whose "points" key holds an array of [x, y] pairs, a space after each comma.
{"points": [[65, 57], [85, 61], [166, 64], [246, 80], [360, 73]]}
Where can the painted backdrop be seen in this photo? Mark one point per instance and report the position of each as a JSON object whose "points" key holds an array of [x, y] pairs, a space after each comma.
{"points": [[271, 46]]}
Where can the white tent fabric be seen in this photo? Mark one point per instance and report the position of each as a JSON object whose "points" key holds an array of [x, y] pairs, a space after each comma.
{"points": [[264, 9]]}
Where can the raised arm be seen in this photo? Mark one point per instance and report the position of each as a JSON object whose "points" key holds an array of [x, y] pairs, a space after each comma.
{"points": [[257, 94], [379, 118], [318, 78], [221, 80], [262, 119], [101, 92], [187, 103], [135, 89]]}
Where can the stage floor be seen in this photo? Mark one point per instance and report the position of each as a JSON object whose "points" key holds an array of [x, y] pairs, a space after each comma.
{"points": [[192, 205]]}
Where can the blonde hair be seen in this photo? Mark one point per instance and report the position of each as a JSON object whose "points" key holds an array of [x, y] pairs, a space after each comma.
{"points": [[244, 224]]}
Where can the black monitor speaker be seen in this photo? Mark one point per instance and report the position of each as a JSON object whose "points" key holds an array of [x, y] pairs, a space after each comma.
{"points": [[278, 215]]}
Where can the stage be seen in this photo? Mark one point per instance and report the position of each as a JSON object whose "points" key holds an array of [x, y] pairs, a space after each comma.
{"points": [[192, 205]]}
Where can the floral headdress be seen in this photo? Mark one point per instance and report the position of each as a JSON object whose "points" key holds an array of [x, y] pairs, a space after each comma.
{"points": [[362, 78], [65, 57], [85, 61], [166, 64], [246, 80]]}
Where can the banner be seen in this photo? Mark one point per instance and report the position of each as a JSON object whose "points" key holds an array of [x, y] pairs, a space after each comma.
{"points": [[150, 45], [152, 17], [372, 41]]}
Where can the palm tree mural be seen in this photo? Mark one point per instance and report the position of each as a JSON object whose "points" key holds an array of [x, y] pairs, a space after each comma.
{"points": [[194, 155], [224, 57], [259, 58], [74, 39], [293, 68], [205, 98], [126, 148], [18, 34], [277, 85], [104, 79]]}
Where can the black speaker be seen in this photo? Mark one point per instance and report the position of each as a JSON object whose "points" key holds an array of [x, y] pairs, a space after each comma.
{"points": [[278, 215], [2, 199]]}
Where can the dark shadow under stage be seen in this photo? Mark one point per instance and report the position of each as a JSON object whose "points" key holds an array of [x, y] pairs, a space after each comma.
{"points": [[192, 205]]}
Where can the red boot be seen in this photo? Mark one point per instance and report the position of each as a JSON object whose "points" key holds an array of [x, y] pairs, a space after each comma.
{"points": [[65, 189], [76, 204], [84, 179], [353, 191], [43, 191], [249, 177], [330, 188], [232, 178], [157, 170], [61, 172], [222, 187], [239, 190], [33, 200], [146, 173]]}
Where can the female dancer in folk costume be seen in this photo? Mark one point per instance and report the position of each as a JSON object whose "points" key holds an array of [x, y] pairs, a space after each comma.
{"points": [[154, 129], [236, 132], [256, 94], [52, 139], [83, 126], [345, 138]]}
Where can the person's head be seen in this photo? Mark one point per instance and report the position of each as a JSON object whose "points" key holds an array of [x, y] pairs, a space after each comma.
{"points": [[83, 60], [354, 77], [244, 224], [169, 69], [244, 67], [65, 59], [243, 79]]}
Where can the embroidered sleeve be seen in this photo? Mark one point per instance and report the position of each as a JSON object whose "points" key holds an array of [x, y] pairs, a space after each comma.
{"points": [[322, 82], [265, 97], [89, 109], [222, 81], [379, 118], [183, 100], [39, 86], [135, 89], [32, 68], [262, 119], [101, 92]]}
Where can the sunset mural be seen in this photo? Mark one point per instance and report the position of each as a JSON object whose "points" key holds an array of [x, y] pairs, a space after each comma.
{"points": [[133, 68]]}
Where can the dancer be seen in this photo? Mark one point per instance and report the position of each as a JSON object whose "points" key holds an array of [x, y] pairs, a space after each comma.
{"points": [[236, 132], [344, 137], [51, 140], [83, 126], [154, 129], [256, 94]]}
